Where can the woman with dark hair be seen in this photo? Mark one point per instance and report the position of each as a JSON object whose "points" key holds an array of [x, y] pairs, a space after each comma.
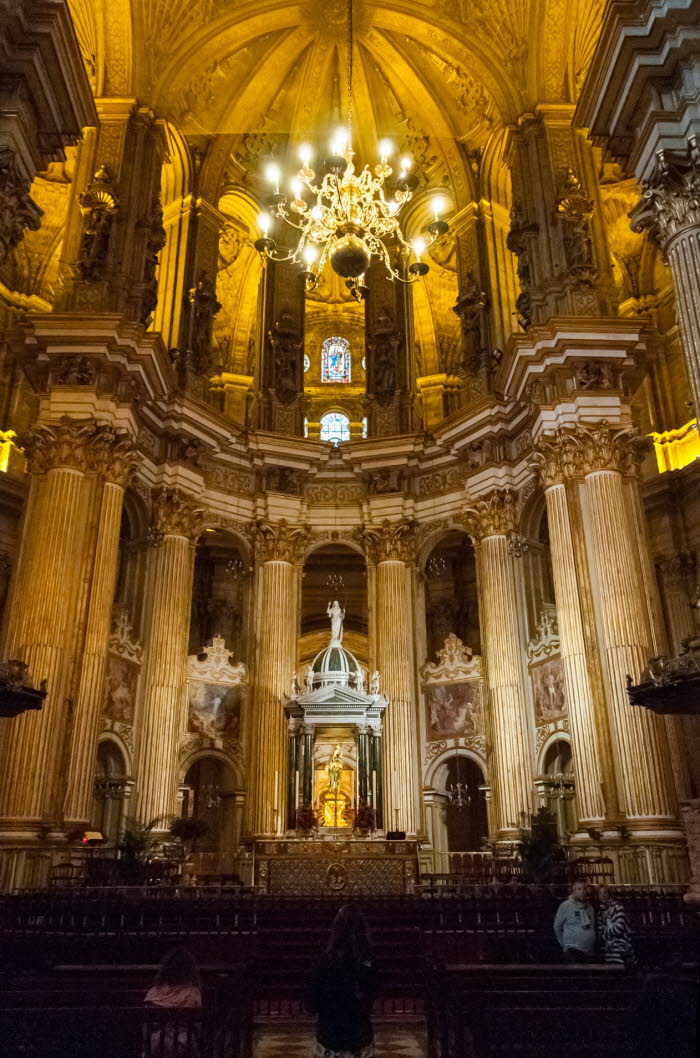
{"points": [[343, 989], [176, 987]]}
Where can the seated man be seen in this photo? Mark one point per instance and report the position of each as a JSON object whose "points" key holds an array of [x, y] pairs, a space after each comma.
{"points": [[574, 925]]}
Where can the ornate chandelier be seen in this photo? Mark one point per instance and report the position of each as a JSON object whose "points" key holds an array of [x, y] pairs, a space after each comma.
{"points": [[346, 217]]}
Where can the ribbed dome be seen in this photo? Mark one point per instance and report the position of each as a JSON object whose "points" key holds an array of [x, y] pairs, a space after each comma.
{"points": [[335, 664]]}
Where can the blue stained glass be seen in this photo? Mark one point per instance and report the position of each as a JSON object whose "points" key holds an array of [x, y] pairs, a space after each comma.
{"points": [[335, 427], [364, 427], [335, 360]]}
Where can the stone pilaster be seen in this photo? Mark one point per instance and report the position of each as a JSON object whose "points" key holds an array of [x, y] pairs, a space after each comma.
{"points": [[391, 549], [278, 551], [670, 212], [176, 524], [605, 457], [491, 522], [589, 725], [47, 611], [116, 461]]}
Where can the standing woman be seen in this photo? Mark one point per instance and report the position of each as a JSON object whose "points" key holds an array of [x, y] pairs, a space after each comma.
{"points": [[614, 935], [343, 989]]}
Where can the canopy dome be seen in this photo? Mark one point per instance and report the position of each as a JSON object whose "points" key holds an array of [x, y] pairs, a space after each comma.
{"points": [[335, 665]]}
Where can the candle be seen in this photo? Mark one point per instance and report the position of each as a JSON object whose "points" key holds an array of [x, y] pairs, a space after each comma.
{"points": [[438, 207]]}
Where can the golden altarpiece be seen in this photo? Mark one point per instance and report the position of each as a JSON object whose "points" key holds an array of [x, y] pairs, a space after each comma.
{"points": [[492, 467]]}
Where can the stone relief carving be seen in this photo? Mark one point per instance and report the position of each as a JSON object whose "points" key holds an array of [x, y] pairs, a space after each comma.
{"points": [[545, 641], [99, 206], [383, 355], [122, 640], [495, 515], [456, 661], [594, 375], [583, 450], [574, 211], [175, 513], [17, 210], [286, 351], [287, 480], [74, 371], [671, 198], [518, 241], [82, 445], [280, 541], [390, 541]]}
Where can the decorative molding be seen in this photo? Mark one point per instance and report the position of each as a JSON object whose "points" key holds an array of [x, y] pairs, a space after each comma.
{"points": [[495, 515], [545, 641], [175, 513], [580, 450], [389, 542], [213, 664], [476, 743], [455, 662], [18, 212], [122, 640], [82, 445], [280, 541]]}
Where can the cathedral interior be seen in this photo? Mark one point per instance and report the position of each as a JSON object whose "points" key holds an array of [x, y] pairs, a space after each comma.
{"points": [[349, 456]]}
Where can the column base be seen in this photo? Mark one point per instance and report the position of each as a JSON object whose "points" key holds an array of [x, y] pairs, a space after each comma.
{"points": [[26, 857]]}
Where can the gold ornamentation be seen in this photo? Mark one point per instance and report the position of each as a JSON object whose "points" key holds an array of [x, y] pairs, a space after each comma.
{"points": [[175, 513], [389, 542], [280, 542], [670, 200], [496, 515]]}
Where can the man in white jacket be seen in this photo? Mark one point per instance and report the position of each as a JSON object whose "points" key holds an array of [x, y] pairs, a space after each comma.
{"points": [[574, 925]]}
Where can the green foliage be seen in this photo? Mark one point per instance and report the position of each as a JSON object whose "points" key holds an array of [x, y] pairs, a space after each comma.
{"points": [[189, 829], [539, 848], [140, 839]]}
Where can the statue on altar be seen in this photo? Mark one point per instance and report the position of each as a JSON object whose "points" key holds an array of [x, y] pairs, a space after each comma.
{"points": [[335, 770], [336, 614]]}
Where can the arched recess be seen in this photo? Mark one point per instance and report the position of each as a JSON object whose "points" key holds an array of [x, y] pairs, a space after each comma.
{"points": [[495, 206], [239, 273], [557, 783], [177, 195], [111, 790], [450, 592], [221, 593], [539, 578], [211, 791], [129, 591], [457, 828], [333, 571]]}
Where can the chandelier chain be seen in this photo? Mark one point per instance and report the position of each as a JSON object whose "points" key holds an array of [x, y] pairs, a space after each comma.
{"points": [[350, 51]]}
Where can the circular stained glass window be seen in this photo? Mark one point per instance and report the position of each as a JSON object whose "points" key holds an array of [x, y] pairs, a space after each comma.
{"points": [[307, 363], [335, 427]]}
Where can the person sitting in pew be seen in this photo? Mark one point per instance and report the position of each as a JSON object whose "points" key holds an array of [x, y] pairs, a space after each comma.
{"points": [[176, 987], [574, 925]]}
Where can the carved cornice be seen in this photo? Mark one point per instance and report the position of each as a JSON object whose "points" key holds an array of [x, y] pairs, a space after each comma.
{"points": [[580, 450], [389, 542], [82, 445], [670, 200], [175, 513], [495, 515], [280, 542]]}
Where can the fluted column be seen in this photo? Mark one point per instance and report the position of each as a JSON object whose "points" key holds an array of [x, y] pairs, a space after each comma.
{"points": [[278, 552], [641, 749], [391, 548], [490, 523], [116, 462], [46, 613], [176, 524], [588, 730], [670, 212]]}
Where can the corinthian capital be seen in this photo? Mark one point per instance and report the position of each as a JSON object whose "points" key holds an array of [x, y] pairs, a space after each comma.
{"points": [[389, 542], [606, 447], [80, 444], [670, 200], [495, 515], [175, 513], [280, 542], [554, 459]]}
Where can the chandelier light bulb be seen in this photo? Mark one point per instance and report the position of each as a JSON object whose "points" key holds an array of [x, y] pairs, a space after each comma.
{"points": [[419, 247], [264, 224], [439, 206], [385, 149], [406, 164], [392, 206], [317, 213], [309, 254], [305, 155], [296, 187], [272, 173]]}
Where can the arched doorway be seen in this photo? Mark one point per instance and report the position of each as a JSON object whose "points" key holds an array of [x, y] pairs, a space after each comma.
{"points": [[560, 787], [109, 792], [465, 810], [209, 795]]}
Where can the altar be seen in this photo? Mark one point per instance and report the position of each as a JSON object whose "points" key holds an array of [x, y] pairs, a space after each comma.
{"points": [[349, 868]]}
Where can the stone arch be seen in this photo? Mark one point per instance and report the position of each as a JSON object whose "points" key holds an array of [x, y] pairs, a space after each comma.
{"points": [[436, 773]]}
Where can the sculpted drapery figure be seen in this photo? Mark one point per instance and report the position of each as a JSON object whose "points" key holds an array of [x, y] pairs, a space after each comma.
{"points": [[335, 770], [336, 614]]}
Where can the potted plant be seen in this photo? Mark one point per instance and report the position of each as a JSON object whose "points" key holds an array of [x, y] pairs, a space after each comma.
{"points": [[138, 842], [188, 830], [539, 849]]}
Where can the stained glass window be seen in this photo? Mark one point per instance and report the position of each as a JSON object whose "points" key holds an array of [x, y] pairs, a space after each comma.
{"points": [[364, 426], [307, 363], [335, 427], [306, 427], [335, 360]]}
